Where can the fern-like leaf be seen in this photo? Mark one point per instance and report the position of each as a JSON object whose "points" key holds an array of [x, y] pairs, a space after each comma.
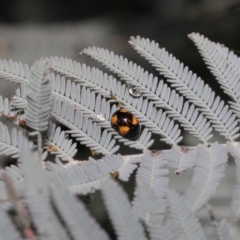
{"points": [[37, 195], [219, 63], [147, 114], [13, 71], [208, 172], [234, 149], [186, 225], [159, 231], [96, 107], [5, 110], [89, 77], [75, 216], [58, 143], [12, 144], [152, 183], [38, 97], [155, 120], [119, 209], [154, 90], [83, 99], [191, 86], [83, 177], [181, 158], [83, 129], [18, 101], [223, 231], [100, 119]]}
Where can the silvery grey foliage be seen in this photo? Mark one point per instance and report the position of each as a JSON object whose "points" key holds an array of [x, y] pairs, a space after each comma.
{"points": [[186, 225], [154, 90], [11, 144], [190, 86], [223, 230], [83, 99], [38, 97], [210, 166], [77, 178], [13, 71], [125, 223], [57, 143]]}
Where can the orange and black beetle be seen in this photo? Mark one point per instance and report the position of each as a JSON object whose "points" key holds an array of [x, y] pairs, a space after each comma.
{"points": [[126, 124]]}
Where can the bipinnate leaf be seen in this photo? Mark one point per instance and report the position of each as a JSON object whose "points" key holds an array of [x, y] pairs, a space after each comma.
{"points": [[76, 217], [223, 230], [154, 119], [36, 191], [39, 97], [13, 71], [12, 143], [83, 128], [160, 231], [152, 186], [189, 85], [125, 222], [83, 177], [57, 143], [234, 150], [223, 64], [154, 90], [186, 225], [208, 173], [90, 103], [181, 158]]}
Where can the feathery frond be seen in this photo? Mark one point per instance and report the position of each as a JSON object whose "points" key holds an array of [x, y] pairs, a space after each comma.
{"points": [[193, 122], [186, 225], [155, 120], [13, 71], [96, 107], [181, 158], [19, 99], [119, 209], [208, 173], [12, 144], [191, 86], [219, 63], [141, 108], [223, 231], [89, 77], [5, 107], [83, 129], [38, 97], [147, 205], [161, 231], [37, 194], [234, 150], [152, 183], [58, 143], [74, 214], [83, 99], [154, 90], [86, 177]]}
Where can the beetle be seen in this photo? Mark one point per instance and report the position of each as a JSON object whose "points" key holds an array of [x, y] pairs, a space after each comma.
{"points": [[126, 124]]}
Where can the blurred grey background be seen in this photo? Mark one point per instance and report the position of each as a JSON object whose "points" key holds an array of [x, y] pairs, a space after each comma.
{"points": [[33, 29], [42, 28]]}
